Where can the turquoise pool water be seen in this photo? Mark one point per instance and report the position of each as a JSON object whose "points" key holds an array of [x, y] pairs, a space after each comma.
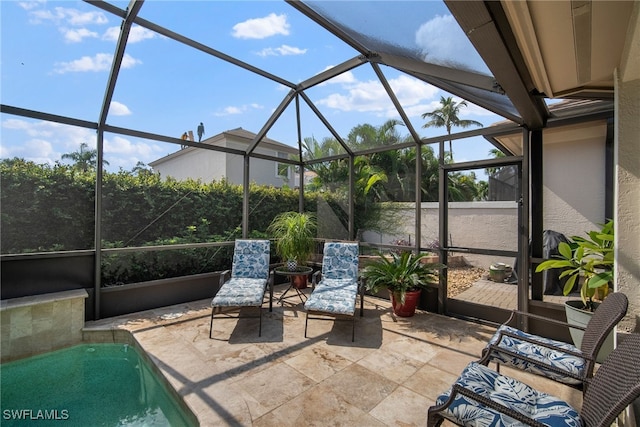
{"points": [[87, 385]]}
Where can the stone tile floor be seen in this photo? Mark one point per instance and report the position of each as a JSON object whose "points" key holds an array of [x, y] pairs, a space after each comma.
{"points": [[389, 376]]}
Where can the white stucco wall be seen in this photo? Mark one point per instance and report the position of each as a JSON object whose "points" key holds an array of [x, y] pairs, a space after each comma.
{"points": [[574, 178], [485, 225], [627, 175]]}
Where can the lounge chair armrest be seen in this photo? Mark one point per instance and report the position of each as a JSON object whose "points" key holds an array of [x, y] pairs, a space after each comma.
{"points": [[224, 276], [315, 278]]}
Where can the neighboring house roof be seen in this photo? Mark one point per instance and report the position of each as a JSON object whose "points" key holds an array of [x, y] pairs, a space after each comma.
{"points": [[237, 135]]}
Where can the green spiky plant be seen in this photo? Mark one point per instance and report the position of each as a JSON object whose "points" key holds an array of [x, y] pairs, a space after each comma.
{"points": [[294, 233], [590, 258], [400, 272]]}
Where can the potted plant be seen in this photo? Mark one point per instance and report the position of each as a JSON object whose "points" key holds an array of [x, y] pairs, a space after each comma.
{"points": [[587, 261], [404, 275], [294, 233]]}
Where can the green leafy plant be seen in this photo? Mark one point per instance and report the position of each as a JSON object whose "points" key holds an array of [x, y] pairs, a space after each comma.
{"points": [[294, 233], [588, 257], [400, 272]]}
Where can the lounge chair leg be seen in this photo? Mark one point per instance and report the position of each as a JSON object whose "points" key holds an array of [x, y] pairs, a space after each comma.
{"points": [[260, 327], [353, 329], [306, 320], [211, 324]]}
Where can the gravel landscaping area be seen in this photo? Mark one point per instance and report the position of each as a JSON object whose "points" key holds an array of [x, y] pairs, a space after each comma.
{"points": [[462, 278]]}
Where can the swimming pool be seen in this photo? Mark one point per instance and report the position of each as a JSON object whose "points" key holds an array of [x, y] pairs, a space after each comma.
{"points": [[88, 385]]}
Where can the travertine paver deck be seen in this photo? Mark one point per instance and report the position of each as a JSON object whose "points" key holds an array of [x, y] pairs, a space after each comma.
{"points": [[389, 376]]}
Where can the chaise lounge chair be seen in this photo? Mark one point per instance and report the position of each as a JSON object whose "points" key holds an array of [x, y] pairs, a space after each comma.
{"points": [[336, 292], [553, 359], [249, 280], [483, 397]]}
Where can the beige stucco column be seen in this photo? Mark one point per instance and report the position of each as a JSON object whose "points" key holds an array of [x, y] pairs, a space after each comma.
{"points": [[627, 173]]}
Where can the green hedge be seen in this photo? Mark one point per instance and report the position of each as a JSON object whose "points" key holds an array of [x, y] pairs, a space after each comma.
{"points": [[51, 208]]}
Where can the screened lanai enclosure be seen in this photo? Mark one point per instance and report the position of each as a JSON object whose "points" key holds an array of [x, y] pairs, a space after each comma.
{"points": [[201, 121]]}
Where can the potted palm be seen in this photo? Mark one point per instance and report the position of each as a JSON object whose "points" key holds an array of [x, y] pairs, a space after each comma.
{"points": [[294, 233], [588, 262], [404, 275]]}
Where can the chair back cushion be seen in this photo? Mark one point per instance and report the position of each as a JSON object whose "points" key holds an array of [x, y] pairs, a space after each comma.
{"points": [[340, 261], [251, 259]]}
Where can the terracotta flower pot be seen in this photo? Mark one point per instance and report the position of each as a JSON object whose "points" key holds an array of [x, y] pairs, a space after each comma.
{"points": [[407, 309]]}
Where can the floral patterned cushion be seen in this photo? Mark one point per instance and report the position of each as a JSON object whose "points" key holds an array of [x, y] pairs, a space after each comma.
{"points": [[337, 291], [336, 296], [251, 259], [340, 261], [240, 292], [509, 392], [554, 357], [249, 275]]}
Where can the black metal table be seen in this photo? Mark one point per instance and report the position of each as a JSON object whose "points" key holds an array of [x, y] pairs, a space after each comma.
{"points": [[299, 271]]}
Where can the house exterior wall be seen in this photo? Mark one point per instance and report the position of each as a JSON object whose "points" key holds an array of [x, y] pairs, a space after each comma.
{"points": [[261, 171], [208, 165], [205, 165], [627, 176], [574, 160]]}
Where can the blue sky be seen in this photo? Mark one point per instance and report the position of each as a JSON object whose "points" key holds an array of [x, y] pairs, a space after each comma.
{"points": [[56, 58]]}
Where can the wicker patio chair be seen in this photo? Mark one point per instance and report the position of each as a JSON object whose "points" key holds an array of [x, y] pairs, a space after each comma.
{"points": [[556, 360], [336, 291], [483, 397], [249, 280]]}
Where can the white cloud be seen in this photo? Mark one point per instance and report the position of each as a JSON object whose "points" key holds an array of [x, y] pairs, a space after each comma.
{"points": [[29, 5], [443, 42], [59, 15], [233, 110], [75, 17], [76, 36], [118, 109], [46, 142], [370, 96], [260, 28], [344, 78], [283, 50], [137, 34], [229, 111], [99, 62]]}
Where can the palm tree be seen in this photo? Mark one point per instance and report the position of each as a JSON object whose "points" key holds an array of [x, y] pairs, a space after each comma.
{"points": [[85, 159], [497, 154], [447, 116]]}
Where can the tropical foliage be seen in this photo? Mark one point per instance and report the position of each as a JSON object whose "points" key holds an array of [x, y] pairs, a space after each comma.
{"points": [[589, 258], [399, 273], [385, 176], [84, 159], [294, 233], [447, 116]]}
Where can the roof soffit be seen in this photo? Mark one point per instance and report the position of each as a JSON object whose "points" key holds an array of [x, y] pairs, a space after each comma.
{"points": [[571, 48]]}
